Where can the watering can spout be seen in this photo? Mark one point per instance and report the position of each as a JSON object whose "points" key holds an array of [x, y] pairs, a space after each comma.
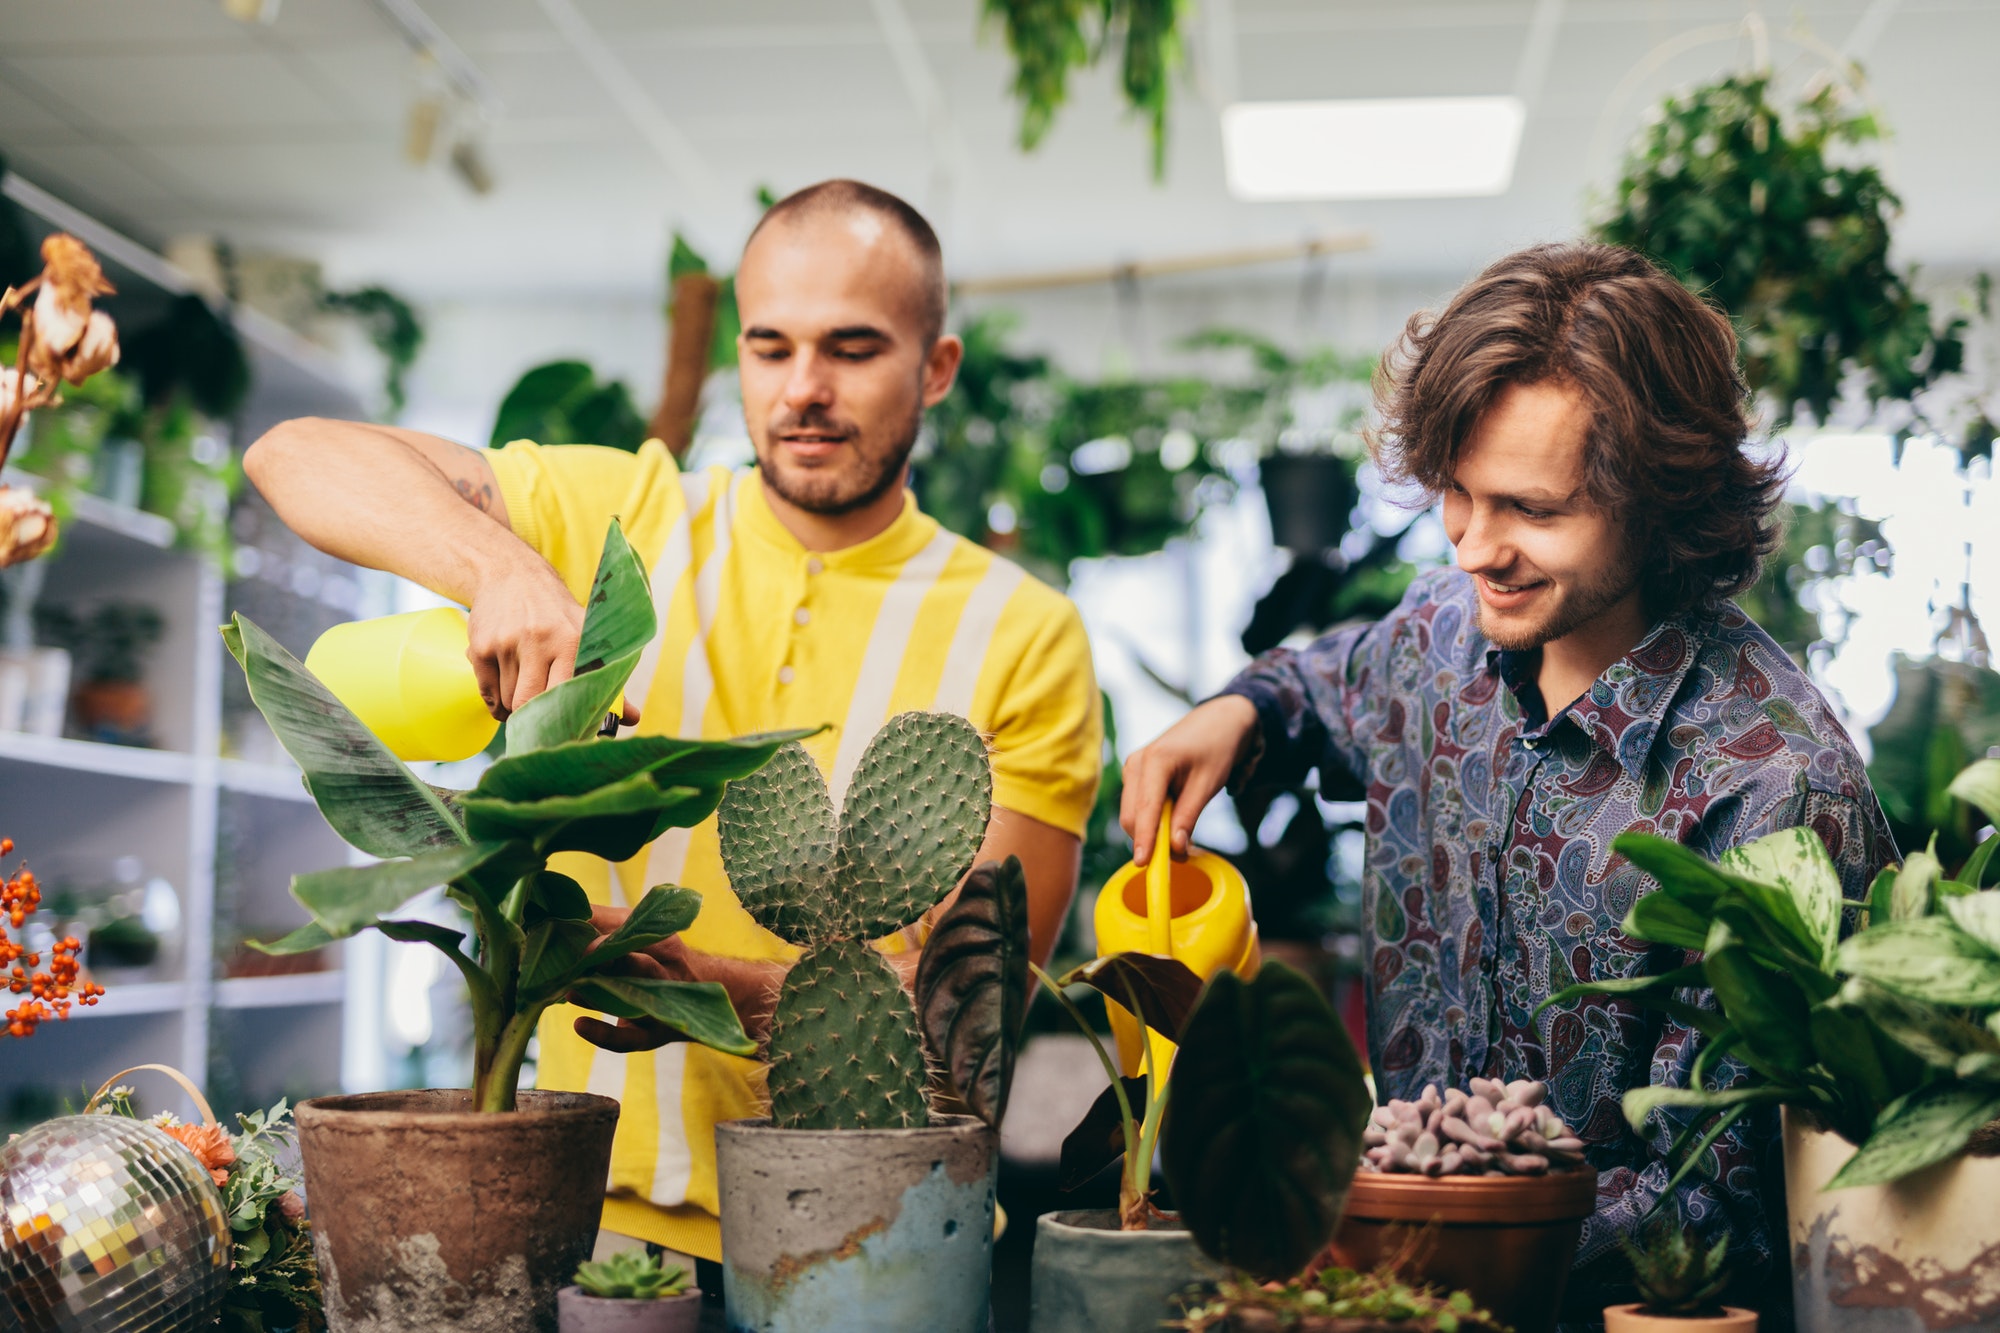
{"points": [[409, 681], [1196, 910]]}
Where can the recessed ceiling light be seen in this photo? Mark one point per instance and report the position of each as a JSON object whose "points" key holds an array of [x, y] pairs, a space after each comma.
{"points": [[1376, 148]]}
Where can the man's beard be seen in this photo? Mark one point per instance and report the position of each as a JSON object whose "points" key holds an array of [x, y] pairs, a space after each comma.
{"points": [[1573, 609], [831, 494]]}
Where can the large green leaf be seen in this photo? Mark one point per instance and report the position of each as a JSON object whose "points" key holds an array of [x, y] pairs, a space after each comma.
{"points": [[347, 899], [1796, 861], [1266, 1105], [1766, 916], [700, 1009], [581, 823], [485, 995], [1689, 879], [1930, 959], [1866, 1068], [576, 768], [1978, 915], [618, 623], [1924, 1127], [1979, 785], [1662, 918], [1099, 1138], [665, 911], [1765, 1005], [1640, 1103], [552, 954], [1937, 1036], [972, 986], [1165, 989], [1915, 886], [369, 796]]}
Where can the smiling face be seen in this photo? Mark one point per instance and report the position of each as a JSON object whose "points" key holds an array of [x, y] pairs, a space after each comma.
{"points": [[1547, 560], [837, 361]]}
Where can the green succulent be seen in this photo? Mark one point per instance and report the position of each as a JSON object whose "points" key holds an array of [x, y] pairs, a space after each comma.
{"points": [[1673, 1272], [632, 1275], [845, 1049]]}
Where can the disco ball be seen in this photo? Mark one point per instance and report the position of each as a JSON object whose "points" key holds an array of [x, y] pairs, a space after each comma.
{"points": [[108, 1225]]}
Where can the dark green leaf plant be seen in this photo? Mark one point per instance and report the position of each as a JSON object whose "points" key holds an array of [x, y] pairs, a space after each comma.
{"points": [[1889, 1037], [558, 789], [1676, 1273]]}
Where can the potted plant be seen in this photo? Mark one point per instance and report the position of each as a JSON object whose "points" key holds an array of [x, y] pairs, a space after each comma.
{"points": [[1883, 1049], [1680, 1280], [855, 1204], [428, 1211], [1334, 1300], [108, 647], [632, 1291]]}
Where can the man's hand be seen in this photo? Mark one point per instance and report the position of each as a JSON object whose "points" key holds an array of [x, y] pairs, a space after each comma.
{"points": [[1190, 762], [752, 988], [524, 630]]}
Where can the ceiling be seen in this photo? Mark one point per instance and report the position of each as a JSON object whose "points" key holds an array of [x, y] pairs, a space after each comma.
{"points": [[614, 121]]}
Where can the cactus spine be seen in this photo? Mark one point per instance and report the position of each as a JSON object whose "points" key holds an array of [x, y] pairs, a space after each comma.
{"points": [[844, 1050]]}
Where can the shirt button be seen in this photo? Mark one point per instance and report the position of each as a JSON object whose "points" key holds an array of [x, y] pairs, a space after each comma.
{"points": [[1532, 744], [814, 565], [801, 616], [785, 674]]}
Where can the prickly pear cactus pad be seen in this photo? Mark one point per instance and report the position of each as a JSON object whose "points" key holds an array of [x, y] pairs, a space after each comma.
{"points": [[845, 1053], [913, 820], [777, 831]]}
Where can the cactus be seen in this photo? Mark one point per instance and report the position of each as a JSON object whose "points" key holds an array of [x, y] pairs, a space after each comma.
{"points": [[1674, 1273], [844, 1049], [1497, 1127]]}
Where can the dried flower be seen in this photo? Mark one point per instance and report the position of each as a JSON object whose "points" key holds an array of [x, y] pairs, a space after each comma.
{"points": [[62, 338], [71, 280], [50, 993], [96, 350], [210, 1146], [27, 525]]}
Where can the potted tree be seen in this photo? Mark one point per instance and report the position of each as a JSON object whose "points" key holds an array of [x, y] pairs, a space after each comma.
{"points": [[855, 1203], [1680, 1280], [430, 1210], [632, 1291], [1883, 1049]]}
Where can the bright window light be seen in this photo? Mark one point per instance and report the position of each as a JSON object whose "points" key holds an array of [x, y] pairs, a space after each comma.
{"points": [[1376, 148]]}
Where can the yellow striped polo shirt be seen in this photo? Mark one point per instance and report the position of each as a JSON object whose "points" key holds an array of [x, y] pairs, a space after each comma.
{"points": [[758, 634]]}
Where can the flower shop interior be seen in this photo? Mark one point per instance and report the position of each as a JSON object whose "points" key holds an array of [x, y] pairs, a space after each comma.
{"points": [[1185, 244]]}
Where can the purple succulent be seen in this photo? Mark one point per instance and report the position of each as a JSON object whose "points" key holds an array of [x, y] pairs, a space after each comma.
{"points": [[1496, 1128]]}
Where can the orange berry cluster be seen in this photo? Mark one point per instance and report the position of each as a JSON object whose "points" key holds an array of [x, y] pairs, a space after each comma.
{"points": [[50, 993]]}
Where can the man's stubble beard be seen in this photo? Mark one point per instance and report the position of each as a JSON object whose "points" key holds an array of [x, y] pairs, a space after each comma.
{"points": [[1574, 609], [826, 496]]}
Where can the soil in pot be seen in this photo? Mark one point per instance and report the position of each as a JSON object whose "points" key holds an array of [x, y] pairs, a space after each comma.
{"points": [[427, 1214], [1090, 1277], [857, 1230], [583, 1313], [1634, 1319], [1507, 1240]]}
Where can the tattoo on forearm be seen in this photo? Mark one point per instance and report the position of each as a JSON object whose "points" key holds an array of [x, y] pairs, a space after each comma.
{"points": [[480, 496]]}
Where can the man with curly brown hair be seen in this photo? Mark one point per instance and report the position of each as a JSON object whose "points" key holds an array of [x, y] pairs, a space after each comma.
{"points": [[1581, 673]]}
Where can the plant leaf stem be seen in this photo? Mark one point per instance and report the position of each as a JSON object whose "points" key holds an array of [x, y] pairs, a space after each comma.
{"points": [[1127, 1121]]}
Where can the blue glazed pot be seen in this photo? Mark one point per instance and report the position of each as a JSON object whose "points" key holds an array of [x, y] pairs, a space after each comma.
{"points": [[857, 1231]]}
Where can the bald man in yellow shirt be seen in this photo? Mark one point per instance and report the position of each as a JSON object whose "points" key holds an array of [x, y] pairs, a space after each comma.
{"points": [[808, 591]]}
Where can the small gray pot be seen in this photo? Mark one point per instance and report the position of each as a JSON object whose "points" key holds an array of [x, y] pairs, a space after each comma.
{"points": [[1090, 1277], [582, 1313]]}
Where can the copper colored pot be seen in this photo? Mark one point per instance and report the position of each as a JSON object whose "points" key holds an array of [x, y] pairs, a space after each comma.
{"points": [[1508, 1240], [1634, 1319], [429, 1215]]}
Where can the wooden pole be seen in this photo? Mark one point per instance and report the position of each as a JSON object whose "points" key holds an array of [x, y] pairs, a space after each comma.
{"points": [[689, 335]]}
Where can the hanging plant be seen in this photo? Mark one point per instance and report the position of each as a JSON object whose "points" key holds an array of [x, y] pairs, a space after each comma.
{"points": [[392, 326], [1768, 212], [1049, 38]]}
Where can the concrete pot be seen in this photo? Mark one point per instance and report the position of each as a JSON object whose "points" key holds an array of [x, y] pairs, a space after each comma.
{"points": [[1918, 1254], [583, 1313], [1633, 1319], [428, 1214], [1090, 1277], [1508, 1240], [857, 1231]]}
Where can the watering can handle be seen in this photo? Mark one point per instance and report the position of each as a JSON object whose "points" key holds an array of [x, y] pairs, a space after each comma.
{"points": [[1159, 887]]}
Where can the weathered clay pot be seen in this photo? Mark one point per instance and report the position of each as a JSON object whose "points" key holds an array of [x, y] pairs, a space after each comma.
{"points": [[1090, 1277], [1920, 1253], [1508, 1240], [583, 1313], [857, 1231], [427, 1214], [1634, 1319]]}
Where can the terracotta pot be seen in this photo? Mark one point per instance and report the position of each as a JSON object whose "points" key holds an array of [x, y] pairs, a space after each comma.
{"points": [[114, 709], [1090, 1277], [1508, 1240], [582, 1313], [427, 1214], [1633, 1319], [857, 1230], [1920, 1253]]}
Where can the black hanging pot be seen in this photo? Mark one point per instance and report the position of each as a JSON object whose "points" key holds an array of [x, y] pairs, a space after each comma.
{"points": [[1310, 497]]}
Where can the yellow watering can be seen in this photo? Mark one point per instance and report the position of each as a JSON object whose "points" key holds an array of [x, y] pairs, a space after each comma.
{"points": [[409, 681], [1197, 910]]}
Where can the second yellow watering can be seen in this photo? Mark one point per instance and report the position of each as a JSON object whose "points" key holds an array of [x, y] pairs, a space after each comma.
{"points": [[409, 681], [1196, 910]]}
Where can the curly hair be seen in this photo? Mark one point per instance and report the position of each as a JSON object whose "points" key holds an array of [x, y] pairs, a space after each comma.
{"points": [[1669, 411]]}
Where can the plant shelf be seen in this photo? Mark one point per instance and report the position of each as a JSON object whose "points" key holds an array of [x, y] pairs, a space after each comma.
{"points": [[119, 761], [297, 988]]}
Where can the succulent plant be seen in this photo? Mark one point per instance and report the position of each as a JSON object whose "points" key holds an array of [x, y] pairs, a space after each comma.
{"points": [[1493, 1129], [632, 1275], [845, 1051], [1675, 1274]]}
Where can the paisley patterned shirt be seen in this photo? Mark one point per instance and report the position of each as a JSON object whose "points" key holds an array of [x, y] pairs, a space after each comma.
{"points": [[1490, 882]]}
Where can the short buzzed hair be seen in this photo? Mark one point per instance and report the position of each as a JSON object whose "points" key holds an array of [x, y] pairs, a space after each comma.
{"points": [[849, 196]]}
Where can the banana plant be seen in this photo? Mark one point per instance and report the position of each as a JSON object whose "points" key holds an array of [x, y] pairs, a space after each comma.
{"points": [[558, 789], [1891, 1036]]}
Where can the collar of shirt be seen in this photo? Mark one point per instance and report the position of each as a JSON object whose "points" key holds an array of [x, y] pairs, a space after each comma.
{"points": [[1624, 709], [888, 549]]}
